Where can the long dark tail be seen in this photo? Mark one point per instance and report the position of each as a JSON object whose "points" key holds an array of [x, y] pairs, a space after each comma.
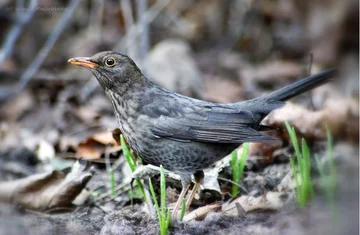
{"points": [[301, 86]]}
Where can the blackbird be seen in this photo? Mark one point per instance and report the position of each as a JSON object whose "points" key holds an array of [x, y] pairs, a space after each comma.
{"points": [[183, 134]]}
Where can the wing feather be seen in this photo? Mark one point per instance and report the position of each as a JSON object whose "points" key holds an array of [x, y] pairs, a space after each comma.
{"points": [[216, 124]]}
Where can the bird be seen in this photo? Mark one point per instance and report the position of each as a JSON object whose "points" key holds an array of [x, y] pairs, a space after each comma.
{"points": [[183, 134]]}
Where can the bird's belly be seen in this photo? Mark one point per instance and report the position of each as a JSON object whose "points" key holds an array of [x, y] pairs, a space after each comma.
{"points": [[183, 157]]}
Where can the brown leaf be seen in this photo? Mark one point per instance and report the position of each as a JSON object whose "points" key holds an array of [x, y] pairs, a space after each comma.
{"points": [[338, 114], [95, 146], [270, 201], [202, 212], [47, 190]]}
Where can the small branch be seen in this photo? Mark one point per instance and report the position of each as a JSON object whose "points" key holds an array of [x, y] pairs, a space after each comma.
{"points": [[42, 54], [128, 16], [135, 30], [21, 20], [144, 27], [312, 105]]}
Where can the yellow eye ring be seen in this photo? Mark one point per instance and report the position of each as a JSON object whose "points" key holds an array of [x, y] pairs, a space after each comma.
{"points": [[110, 62]]}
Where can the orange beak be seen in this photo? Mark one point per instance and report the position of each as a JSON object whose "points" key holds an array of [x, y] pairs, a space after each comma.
{"points": [[83, 62]]}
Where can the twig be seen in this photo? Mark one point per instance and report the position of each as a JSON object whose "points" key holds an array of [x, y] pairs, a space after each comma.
{"points": [[21, 20], [144, 28], [129, 21], [128, 16], [135, 30], [20, 5], [59, 28], [312, 105], [174, 16], [95, 18], [310, 63]]}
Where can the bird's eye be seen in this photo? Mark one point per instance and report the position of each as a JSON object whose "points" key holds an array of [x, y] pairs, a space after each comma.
{"points": [[110, 62]]}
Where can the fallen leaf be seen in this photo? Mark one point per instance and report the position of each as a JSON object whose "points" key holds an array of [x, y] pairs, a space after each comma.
{"points": [[47, 190], [105, 138], [338, 114], [202, 212], [270, 201], [96, 145]]}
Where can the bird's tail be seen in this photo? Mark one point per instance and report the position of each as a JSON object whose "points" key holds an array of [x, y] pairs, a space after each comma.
{"points": [[301, 86]]}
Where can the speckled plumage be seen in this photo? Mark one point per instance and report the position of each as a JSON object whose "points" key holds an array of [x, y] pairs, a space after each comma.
{"points": [[184, 135]]}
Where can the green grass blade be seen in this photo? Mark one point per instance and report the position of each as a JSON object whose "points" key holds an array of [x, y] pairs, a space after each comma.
{"points": [[242, 163], [162, 192], [293, 138], [302, 169], [234, 168], [238, 166], [132, 164], [307, 169], [296, 179], [294, 171], [168, 220], [128, 155], [182, 212], [305, 154], [142, 189], [162, 212], [152, 191]]}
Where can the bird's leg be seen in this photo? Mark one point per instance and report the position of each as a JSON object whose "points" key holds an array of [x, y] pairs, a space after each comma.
{"points": [[185, 181], [199, 177]]}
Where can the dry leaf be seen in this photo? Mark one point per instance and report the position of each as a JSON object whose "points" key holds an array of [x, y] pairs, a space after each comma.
{"points": [[270, 201], [95, 146], [202, 212], [338, 114], [47, 190]]}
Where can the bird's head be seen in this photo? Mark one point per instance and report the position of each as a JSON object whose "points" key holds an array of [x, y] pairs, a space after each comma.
{"points": [[113, 70]]}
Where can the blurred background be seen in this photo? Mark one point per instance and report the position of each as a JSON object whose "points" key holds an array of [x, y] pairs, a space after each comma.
{"points": [[216, 50]]}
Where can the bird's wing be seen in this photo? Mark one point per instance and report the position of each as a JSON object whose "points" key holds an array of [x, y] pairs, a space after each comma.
{"points": [[216, 124]]}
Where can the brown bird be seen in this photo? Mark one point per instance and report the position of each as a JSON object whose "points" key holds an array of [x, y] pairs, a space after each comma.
{"points": [[183, 134]]}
